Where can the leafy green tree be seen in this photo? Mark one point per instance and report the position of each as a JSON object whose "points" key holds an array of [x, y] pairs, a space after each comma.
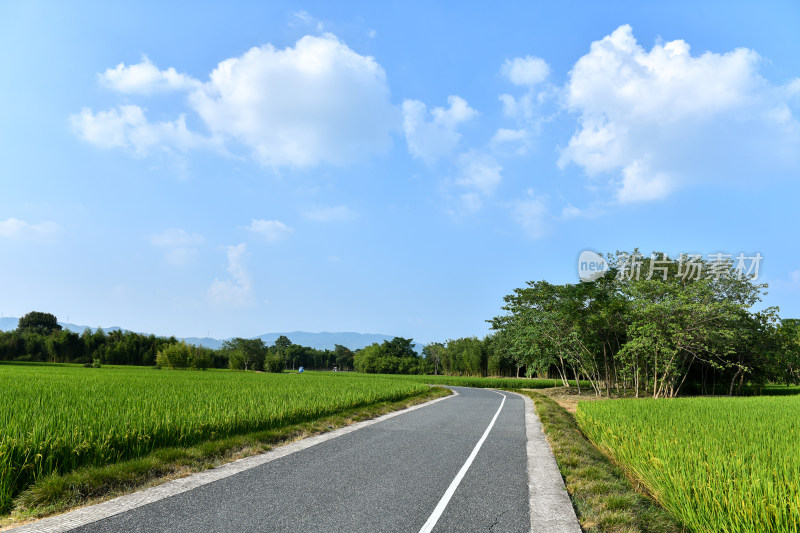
{"points": [[245, 354], [274, 363], [343, 357], [177, 355], [433, 353], [399, 347], [38, 322]]}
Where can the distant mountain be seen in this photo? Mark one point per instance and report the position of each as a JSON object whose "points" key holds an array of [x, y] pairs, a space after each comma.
{"points": [[327, 341], [321, 341], [9, 323]]}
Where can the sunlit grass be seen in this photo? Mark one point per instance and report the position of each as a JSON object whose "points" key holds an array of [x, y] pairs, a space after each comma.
{"points": [[54, 419], [718, 464]]}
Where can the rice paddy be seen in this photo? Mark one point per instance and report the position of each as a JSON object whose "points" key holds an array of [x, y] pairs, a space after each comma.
{"points": [[54, 419], [718, 464]]}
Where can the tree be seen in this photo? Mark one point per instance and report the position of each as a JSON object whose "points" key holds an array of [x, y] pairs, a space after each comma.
{"points": [[282, 344], [245, 354], [343, 357], [176, 355], [658, 333], [433, 353], [37, 322], [399, 347]]}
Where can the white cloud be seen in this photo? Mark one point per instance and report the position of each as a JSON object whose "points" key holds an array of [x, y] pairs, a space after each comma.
{"points": [[336, 213], [270, 230], [531, 214], [529, 108], [795, 276], [437, 137], [319, 102], [127, 127], [640, 183], [14, 228], [180, 246], [145, 78], [238, 290], [657, 120], [517, 140], [526, 70], [479, 171]]}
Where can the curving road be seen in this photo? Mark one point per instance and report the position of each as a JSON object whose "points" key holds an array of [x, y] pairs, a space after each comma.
{"points": [[458, 464]]}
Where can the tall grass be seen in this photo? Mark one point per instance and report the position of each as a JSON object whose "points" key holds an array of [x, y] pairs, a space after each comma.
{"points": [[718, 464], [54, 419]]}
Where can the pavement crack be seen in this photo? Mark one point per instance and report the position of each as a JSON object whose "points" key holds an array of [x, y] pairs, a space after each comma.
{"points": [[496, 520]]}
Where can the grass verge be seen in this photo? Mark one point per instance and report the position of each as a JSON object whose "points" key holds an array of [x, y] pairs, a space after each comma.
{"points": [[603, 497], [89, 485]]}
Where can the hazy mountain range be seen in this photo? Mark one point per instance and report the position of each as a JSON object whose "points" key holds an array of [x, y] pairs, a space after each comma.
{"points": [[321, 341]]}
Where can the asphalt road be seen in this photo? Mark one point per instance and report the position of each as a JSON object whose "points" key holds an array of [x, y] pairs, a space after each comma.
{"points": [[386, 477]]}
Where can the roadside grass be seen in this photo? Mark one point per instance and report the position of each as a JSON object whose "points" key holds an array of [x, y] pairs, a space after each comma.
{"points": [[604, 498], [93, 484]]}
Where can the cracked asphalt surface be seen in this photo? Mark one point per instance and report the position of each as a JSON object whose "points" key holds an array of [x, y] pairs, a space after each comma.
{"points": [[387, 477]]}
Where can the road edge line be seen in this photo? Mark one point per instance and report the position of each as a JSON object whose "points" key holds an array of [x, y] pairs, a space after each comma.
{"points": [[94, 513]]}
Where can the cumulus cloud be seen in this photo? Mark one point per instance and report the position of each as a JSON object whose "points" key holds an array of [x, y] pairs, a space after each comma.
{"points": [[145, 78], [431, 138], [14, 228], [526, 70], [127, 127], [180, 246], [479, 171], [529, 73], [238, 290], [316, 102], [270, 230], [337, 213], [656, 120]]}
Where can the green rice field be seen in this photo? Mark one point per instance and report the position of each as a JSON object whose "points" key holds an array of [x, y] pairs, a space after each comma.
{"points": [[54, 419], [720, 465]]}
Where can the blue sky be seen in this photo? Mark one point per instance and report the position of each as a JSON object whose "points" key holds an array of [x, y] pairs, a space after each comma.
{"points": [[389, 167]]}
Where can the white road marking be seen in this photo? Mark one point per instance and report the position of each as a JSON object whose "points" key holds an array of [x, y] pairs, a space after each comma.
{"points": [[440, 507]]}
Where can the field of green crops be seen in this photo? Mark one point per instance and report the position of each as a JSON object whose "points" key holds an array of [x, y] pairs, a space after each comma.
{"points": [[718, 464], [57, 418]]}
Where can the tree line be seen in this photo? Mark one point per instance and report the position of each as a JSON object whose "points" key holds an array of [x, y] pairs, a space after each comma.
{"points": [[652, 326], [38, 337]]}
